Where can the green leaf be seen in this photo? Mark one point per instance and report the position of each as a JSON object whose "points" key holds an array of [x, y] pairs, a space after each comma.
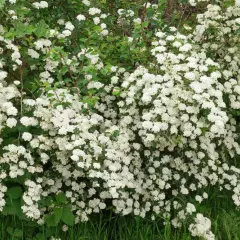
{"points": [[145, 24], [10, 230], [42, 29], [13, 207], [19, 29], [47, 201], [116, 91], [40, 236], [53, 219], [150, 12], [61, 198], [50, 231], [228, 3], [149, 34], [14, 192], [57, 212], [116, 133], [67, 216], [29, 29], [22, 11], [2, 3], [15, 232], [91, 101], [18, 233]]}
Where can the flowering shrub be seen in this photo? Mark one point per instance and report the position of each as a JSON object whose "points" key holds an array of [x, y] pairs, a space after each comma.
{"points": [[94, 116]]}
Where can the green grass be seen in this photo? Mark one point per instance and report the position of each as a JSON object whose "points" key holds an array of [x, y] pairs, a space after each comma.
{"points": [[101, 228], [225, 227], [219, 208]]}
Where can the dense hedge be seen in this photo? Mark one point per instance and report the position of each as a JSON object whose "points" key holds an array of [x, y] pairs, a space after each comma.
{"points": [[106, 106]]}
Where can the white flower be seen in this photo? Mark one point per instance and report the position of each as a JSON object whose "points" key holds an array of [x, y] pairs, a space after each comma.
{"points": [[3, 75], [96, 85], [170, 38], [190, 76], [102, 205], [75, 157], [81, 17], [26, 136], [137, 20], [66, 33], [120, 11], [29, 102], [94, 11], [12, 111], [17, 82], [190, 208], [69, 26], [28, 121], [198, 198], [44, 158], [61, 22], [86, 2], [205, 195], [33, 53], [185, 48], [96, 20], [65, 228], [192, 2], [42, 43], [104, 32], [201, 228], [103, 16], [42, 4], [103, 25], [113, 69], [11, 122]]}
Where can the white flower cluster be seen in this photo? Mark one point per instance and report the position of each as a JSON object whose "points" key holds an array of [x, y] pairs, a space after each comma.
{"points": [[3, 189], [42, 45], [94, 11], [84, 148], [155, 134], [39, 5], [8, 93], [81, 17], [12, 1], [94, 59], [69, 27], [15, 55], [126, 13], [201, 228], [32, 53], [195, 2], [30, 198], [182, 115]]}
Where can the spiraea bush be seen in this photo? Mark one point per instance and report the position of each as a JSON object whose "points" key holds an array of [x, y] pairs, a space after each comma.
{"points": [[118, 110]]}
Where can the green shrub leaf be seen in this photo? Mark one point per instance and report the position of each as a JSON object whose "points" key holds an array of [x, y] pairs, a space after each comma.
{"points": [[67, 216], [15, 192]]}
